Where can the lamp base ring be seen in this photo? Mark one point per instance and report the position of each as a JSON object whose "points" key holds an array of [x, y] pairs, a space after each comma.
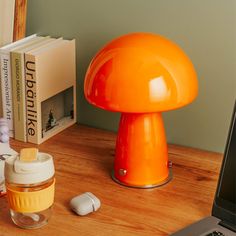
{"points": [[163, 182]]}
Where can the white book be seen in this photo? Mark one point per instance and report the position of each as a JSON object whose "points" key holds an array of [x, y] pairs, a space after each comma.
{"points": [[6, 80], [50, 90], [18, 84], [7, 8]]}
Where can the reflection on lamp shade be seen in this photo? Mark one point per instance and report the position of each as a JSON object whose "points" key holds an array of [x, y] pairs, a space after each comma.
{"points": [[158, 89]]}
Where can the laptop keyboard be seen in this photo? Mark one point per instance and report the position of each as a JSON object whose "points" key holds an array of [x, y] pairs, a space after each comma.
{"points": [[215, 233]]}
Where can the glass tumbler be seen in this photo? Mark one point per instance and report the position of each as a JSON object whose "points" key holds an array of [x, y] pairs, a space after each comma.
{"points": [[30, 190]]}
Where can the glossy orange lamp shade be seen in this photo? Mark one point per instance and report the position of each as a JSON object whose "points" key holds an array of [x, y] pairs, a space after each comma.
{"points": [[141, 75]]}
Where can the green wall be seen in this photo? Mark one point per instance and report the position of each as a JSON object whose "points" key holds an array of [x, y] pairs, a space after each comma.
{"points": [[205, 29]]}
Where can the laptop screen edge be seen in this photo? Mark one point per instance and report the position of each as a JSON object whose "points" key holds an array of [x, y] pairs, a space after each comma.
{"points": [[223, 209]]}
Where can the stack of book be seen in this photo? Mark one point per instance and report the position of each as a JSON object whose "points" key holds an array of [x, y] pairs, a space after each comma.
{"points": [[38, 87]]}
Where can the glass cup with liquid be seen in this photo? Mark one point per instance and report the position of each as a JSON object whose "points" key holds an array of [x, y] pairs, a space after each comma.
{"points": [[30, 189]]}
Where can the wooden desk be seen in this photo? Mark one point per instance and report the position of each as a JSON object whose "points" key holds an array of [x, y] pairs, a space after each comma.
{"points": [[83, 159]]}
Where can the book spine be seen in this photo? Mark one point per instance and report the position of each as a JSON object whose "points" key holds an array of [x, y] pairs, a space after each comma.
{"points": [[18, 92], [6, 86], [32, 122]]}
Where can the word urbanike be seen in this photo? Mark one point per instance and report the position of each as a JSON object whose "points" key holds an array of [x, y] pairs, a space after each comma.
{"points": [[31, 98]]}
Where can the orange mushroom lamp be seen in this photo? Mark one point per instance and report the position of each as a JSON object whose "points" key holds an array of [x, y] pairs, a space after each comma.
{"points": [[141, 75]]}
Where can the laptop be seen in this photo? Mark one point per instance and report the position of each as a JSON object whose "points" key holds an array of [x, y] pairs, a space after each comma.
{"points": [[223, 219]]}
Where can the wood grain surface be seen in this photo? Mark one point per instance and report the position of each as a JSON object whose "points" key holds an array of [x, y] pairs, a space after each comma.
{"points": [[20, 19], [83, 159]]}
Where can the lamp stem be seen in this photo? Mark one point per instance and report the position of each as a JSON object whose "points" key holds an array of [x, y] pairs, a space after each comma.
{"points": [[141, 151]]}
